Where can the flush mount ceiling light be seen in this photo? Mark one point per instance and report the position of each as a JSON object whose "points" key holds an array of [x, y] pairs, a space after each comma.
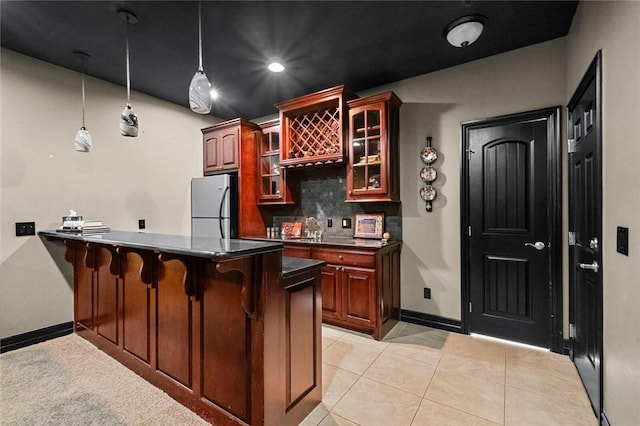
{"points": [[464, 31], [275, 67], [201, 94], [82, 141], [128, 119]]}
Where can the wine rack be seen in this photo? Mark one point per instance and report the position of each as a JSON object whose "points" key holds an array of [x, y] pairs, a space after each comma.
{"points": [[313, 128]]}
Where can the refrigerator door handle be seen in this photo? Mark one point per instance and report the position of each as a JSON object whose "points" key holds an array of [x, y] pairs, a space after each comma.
{"points": [[225, 195]]}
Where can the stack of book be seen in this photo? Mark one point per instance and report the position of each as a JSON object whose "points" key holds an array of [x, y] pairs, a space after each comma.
{"points": [[75, 225], [94, 227]]}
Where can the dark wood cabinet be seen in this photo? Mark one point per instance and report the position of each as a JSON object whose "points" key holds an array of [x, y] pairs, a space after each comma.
{"points": [[313, 127], [223, 144], [221, 148], [234, 144], [360, 287], [348, 295], [235, 340], [359, 296], [272, 178], [373, 166]]}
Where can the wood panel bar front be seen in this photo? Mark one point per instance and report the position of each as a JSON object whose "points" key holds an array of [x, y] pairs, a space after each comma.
{"points": [[233, 339]]}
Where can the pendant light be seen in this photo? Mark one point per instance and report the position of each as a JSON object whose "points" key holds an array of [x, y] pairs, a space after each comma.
{"points": [[82, 141], [200, 94], [128, 119]]}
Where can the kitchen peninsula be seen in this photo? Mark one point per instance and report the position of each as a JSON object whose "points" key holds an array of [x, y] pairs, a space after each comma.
{"points": [[229, 328]]}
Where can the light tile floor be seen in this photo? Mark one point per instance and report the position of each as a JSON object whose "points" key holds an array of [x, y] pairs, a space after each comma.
{"points": [[423, 376]]}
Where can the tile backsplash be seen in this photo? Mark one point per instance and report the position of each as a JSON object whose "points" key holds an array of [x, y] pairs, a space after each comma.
{"points": [[322, 195]]}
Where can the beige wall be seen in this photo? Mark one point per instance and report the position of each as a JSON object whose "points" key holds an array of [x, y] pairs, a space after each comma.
{"points": [[614, 28], [435, 105], [120, 181]]}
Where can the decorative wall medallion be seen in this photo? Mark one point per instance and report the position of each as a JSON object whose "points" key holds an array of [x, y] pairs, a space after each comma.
{"points": [[428, 155], [428, 193], [428, 174]]}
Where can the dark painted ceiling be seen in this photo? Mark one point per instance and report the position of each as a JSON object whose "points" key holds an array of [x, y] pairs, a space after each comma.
{"points": [[323, 44]]}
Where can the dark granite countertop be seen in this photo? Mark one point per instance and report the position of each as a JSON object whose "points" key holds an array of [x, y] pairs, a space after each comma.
{"points": [[333, 241], [214, 248], [291, 265]]}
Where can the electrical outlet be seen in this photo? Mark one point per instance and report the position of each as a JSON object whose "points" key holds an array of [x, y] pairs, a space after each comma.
{"points": [[329, 223], [346, 222], [25, 228], [141, 224], [427, 293]]}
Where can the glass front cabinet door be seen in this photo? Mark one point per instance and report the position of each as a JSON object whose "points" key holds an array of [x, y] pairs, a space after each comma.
{"points": [[373, 167], [272, 186]]}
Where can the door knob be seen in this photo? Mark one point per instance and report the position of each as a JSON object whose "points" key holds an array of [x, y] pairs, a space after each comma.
{"points": [[538, 245], [591, 266]]}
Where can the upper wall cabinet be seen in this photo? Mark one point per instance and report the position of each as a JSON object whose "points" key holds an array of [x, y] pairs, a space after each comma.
{"points": [[373, 166], [220, 148], [272, 182], [313, 128], [221, 145], [232, 147]]}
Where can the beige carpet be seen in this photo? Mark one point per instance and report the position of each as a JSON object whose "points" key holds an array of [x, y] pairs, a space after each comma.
{"points": [[68, 381]]}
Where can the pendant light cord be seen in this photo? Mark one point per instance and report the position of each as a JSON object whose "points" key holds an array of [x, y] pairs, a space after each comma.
{"points": [[200, 36], [128, 77], [82, 66]]}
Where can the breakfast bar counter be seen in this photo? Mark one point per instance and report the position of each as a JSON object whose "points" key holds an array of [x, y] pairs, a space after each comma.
{"points": [[226, 327]]}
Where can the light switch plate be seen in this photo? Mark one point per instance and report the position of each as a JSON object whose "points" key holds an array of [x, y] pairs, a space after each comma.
{"points": [[622, 240]]}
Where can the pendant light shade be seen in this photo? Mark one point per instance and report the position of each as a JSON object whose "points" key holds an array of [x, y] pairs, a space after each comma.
{"points": [[82, 141], [464, 31], [200, 99], [200, 95], [128, 119]]}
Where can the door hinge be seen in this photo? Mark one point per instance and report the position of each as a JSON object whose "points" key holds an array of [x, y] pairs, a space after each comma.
{"points": [[571, 145], [469, 152], [469, 230], [572, 331], [572, 238], [470, 307]]}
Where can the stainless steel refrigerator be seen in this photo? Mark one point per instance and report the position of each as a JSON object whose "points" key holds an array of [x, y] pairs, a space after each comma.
{"points": [[214, 206]]}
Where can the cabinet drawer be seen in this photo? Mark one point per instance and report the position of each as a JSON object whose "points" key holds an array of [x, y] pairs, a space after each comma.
{"points": [[355, 258], [296, 251]]}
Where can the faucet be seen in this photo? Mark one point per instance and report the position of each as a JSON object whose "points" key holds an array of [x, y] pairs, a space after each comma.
{"points": [[313, 228]]}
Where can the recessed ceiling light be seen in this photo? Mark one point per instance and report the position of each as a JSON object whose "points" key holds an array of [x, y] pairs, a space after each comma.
{"points": [[276, 67]]}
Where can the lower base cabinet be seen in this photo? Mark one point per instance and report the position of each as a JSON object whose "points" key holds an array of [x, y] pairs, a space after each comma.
{"points": [[360, 287]]}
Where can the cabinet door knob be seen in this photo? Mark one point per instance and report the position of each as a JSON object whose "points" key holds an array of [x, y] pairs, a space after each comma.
{"points": [[340, 257]]}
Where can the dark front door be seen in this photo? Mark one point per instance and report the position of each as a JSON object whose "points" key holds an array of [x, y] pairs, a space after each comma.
{"points": [[512, 211], [585, 232]]}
